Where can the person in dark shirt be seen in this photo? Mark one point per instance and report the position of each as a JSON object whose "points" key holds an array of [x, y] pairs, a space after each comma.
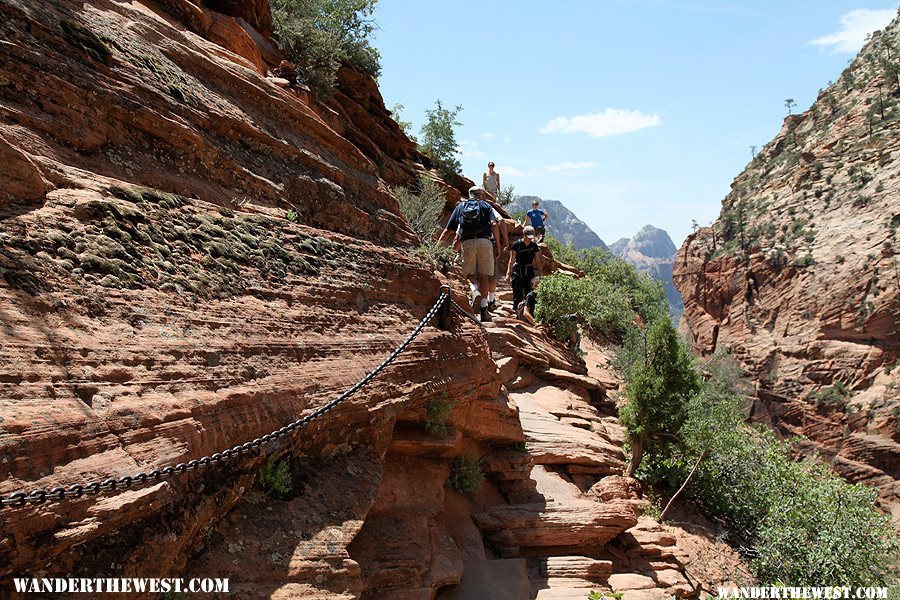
{"points": [[525, 310], [524, 264]]}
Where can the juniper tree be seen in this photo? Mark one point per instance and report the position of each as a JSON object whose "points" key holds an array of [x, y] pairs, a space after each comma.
{"points": [[789, 104]]}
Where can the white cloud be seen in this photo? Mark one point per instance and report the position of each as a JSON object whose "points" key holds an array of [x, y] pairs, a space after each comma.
{"points": [[569, 166], [855, 26], [610, 122], [467, 149], [512, 171], [488, 136]]}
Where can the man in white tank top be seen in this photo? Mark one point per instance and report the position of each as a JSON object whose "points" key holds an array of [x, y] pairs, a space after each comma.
{"points": [[490, 181]]}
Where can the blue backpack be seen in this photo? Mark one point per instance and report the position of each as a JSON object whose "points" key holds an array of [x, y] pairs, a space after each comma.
{"points": [[472, 219]]}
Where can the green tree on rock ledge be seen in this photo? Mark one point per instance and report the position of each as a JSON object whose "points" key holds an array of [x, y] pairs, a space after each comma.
{"points": [[661, 379], [439, 138]]}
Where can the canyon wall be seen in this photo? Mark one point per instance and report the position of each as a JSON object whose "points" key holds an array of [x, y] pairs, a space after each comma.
{"points": [[798, 278]]}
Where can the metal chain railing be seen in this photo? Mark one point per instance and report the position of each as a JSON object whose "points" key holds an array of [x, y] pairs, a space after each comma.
{"points": [[464, 312], [39, 496]]}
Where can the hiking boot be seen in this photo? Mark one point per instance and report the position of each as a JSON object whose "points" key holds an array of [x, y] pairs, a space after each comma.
{"points": [[492, 305], [485, 315]]}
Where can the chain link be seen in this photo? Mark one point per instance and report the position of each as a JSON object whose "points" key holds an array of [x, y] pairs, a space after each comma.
{"points": [[39, 496], [464, 312]]}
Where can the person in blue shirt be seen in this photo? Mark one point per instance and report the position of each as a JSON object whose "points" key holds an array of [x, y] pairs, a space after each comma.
{"points": [[537, 217]]}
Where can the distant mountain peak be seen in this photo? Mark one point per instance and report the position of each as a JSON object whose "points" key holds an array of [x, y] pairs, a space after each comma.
{"points": [[562, 223], [651, 251], [652, 242]]}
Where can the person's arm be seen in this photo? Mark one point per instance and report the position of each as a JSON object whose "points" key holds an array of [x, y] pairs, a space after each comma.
{"points": [[496, 231], [452, 225], [498, 182], [512, 260], [526, 314], [546, 216]]}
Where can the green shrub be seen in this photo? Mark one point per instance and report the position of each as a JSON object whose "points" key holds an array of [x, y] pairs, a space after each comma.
{"points": [[423, 207], [796, 521], [506, 196], [465, 474], [659, 380], [834, 394], [646, 295], [438, 136], [606, 300], [437, 414], [317, 35], [397, 114], [275, 477], [805, 261], [594, 595]]}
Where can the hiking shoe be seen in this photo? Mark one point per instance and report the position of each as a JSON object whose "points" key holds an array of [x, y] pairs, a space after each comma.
{"points": [[492, 305], [485, 315]]}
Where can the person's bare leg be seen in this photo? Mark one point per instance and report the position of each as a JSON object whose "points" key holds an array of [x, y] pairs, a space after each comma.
{"points": [[484, 285]]}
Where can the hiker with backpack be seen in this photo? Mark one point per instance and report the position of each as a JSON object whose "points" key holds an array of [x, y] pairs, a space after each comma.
{"points": [[524, 265], [474, 219]]}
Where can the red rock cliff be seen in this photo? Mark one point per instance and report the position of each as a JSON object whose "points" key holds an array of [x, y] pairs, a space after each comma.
{"points": [[194, 253], [798, 278]]}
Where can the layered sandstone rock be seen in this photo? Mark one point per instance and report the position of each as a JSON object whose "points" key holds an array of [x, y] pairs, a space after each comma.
{"points": [[191, 256], [798, 277], [195, 252]]}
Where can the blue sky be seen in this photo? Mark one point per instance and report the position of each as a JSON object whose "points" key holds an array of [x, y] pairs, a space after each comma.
{"points": [[630, 112]]}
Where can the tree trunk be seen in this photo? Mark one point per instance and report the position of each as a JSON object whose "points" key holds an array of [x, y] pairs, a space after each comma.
{"points": [[662, 515], [637, 453]]}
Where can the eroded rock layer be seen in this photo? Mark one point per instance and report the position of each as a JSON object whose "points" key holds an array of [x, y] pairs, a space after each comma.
{"points": [[195, 252], [798, 278]]}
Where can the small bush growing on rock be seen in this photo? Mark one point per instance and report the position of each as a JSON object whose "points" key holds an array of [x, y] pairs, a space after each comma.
{"points": [[317, 35], [437, 414], [805, 261], [422, 208], [594, 595], [274, 477], [465, 474], [506, 196], [834, 394]]}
